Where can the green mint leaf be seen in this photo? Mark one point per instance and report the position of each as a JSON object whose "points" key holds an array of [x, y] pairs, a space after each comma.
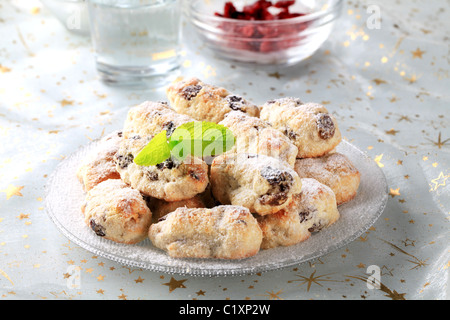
{"points": [[200, 139], [155, 152]]}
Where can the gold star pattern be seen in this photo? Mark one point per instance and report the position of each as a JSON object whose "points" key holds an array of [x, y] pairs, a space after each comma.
{"points": [[378, 160], [394, 193], [416, 261], [379, 81], [392, 294], [418, 53], [439, 143], [312, 279], [392, 132], [440, 181], [122, 297], [66, 102], [412, 79], [12, 190], [200, 293], [276, 75], [23, 216], [175, 284], [404, 118], [409, 242], [3, 273], [386, 271], [139, 280], [4, 69], [393, 99], [273, 295]]}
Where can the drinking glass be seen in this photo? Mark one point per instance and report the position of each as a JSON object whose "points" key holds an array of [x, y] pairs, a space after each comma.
{"points": [[136, 42]]}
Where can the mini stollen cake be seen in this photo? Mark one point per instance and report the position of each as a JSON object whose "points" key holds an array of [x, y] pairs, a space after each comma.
{"points": [[282, 229], [316, 205], [99, 165], [260, 183], [170, 180], [334, 170], [223, 232], [310, 126], [310, 211], [256, 136], [160, 208], [117, 212], [205, 102], [150, 118]]}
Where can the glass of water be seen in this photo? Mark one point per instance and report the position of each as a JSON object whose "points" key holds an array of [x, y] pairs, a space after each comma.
{"points": [[136, 42]]}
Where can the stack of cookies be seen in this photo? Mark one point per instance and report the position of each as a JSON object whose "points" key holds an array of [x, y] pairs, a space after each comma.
{"points": [[281, 182]]}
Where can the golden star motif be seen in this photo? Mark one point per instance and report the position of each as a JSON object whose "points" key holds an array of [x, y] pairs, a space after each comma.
{"points": [[23, 216], [100, 278], [4, 69], [100, 291], [379, 81], [413, 79], [440, 181], [312, 279], [439, 142], [378, 160], [409, 242], [122, 297], [276, 75], [65, 102], [392, 132], [388, 271], [273, 295], [200, 293], [3, 273], [12, 190], [175, 284], [418, 53], [394, 193], [393, 99], [394, 295], [139, 280], [404, 118]]}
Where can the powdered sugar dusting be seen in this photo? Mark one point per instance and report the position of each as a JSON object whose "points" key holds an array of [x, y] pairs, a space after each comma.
{"points": [[65, 196]]}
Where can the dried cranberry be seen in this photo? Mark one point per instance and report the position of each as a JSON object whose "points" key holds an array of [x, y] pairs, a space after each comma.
{"points": [[249, 37], [284, 4]]}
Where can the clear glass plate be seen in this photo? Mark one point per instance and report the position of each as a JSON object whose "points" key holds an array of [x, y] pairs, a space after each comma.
{"points": [[64, 197]]}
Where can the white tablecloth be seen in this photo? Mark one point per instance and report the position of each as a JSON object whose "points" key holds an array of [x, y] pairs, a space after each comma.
{"points": [[388, 87]]}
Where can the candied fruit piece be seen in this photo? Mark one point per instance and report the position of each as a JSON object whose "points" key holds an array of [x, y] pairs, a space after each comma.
{"points": [[261, 38], [284, 3]]}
